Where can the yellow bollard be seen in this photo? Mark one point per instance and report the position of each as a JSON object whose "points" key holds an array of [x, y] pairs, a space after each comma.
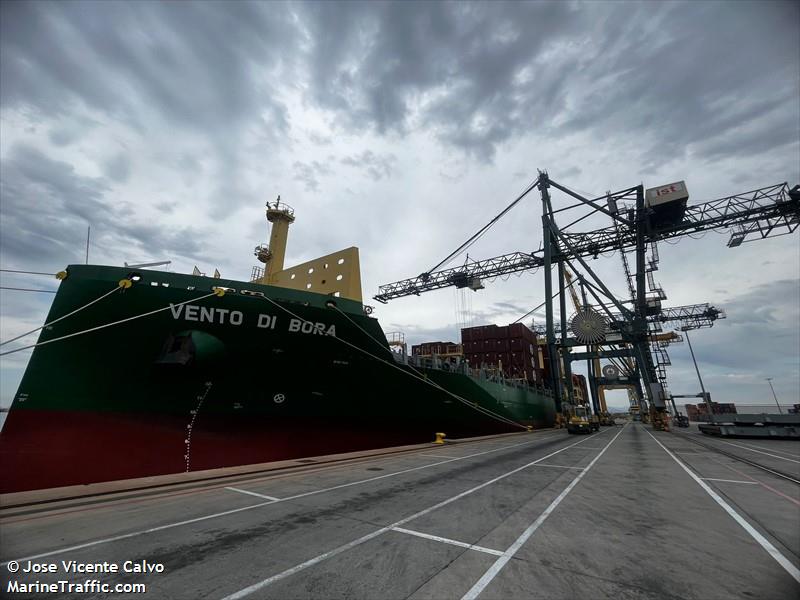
{"points": [[530, 427], [440, 438]]}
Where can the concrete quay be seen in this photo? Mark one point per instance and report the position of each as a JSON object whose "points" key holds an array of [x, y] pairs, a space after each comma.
{"points": [[626, 513]]}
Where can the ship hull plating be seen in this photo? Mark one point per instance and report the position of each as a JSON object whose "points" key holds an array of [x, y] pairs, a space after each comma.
{"points": [[254, 376]]}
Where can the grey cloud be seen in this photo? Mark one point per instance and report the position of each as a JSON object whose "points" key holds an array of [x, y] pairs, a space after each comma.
{"points": [[320, 140], [474, 75], [150, 64], [482, 74], [570, 172], [167, 207], [308, 174], [376, 167], [510, 307], [177, 56], [47, 206], [68, 131], [118, 168], [761, 332], [374, 66]]}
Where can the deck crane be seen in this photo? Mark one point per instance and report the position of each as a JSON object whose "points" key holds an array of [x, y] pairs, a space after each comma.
{"points": [[637, 221]]}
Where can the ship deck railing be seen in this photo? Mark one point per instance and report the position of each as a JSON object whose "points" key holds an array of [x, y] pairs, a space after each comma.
{"points": [[462, 367]]}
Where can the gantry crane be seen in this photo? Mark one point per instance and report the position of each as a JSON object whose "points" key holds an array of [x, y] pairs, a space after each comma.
{"points": [[636, 222], [767, 212]]}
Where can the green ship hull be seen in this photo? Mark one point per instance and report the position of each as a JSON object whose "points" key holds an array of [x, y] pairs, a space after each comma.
{"points": [[150, 380]]}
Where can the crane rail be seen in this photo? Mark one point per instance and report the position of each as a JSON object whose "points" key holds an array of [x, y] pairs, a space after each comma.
{"points": [[752, 463]]}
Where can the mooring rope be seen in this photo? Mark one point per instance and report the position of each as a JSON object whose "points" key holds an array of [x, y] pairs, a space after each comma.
{"points": [[420, 377], [25, 272], [16, 289], [77, 310], [152, 312]]}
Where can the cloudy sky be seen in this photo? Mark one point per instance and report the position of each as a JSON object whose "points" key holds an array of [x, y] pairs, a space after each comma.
{"points": [[400, 128]]}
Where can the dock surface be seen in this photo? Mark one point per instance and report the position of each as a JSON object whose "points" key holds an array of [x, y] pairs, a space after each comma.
{"points": [[627, 512]]}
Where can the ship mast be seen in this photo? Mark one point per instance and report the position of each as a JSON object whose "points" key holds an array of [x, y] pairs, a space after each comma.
{"points": [[281, 216]]}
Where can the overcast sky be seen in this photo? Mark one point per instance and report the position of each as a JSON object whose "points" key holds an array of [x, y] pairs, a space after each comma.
{"points": [[401, 128]]}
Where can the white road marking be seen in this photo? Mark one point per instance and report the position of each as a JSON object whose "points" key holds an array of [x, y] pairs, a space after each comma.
{"points": [[492, 572], [729, 480], [795, 455], [764, 542], [560, 467], [445, 540], [437, 455], [365, 538], [225, 513], [760, 452], [273, 498]]}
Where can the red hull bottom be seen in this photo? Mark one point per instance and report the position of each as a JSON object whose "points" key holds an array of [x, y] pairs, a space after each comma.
{"points": [[46, 449]]}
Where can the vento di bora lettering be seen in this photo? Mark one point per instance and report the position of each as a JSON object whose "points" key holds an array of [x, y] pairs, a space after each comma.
{"points": [[224, 316]]}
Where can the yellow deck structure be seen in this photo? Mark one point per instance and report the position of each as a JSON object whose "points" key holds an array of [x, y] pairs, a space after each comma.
{"points": [[337, 274]]}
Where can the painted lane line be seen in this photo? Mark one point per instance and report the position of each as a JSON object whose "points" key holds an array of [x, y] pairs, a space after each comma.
{"points": [[365, 538], [560, 467], [760, 452], [758, 481], [764, 542], [273, 498], [445, 540], [226, 513], [395, 473], [126, 536], [437, 455], [792, 454], [492, 572], [729, 480]]}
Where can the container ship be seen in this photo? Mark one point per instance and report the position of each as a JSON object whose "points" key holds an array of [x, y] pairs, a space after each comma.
{"points": [[140, 372]]}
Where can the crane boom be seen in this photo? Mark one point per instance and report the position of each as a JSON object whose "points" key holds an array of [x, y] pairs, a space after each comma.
{"points": [[768, 211]]}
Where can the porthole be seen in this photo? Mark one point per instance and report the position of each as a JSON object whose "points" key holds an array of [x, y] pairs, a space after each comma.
{"points": [[340, 261], [310, 270], [338, 277], [292, 276], [308, 286]]}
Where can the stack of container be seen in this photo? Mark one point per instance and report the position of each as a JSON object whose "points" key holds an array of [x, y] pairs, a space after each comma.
{"points": [[699, 412], [437, 348], [513, 348]]}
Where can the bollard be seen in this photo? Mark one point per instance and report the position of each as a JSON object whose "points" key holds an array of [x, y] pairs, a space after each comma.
{"points": [[440, 438], [530, 427]]}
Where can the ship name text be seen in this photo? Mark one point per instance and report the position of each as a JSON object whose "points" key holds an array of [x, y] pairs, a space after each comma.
{"points": [[224, 316]]}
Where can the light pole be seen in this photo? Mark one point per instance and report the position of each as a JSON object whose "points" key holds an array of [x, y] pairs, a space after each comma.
{"points": [[769, 381], [694, 360]]}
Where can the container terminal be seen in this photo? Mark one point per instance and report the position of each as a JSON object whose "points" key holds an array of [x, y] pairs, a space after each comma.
{"points": [[573, 502], [202, 397]]}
